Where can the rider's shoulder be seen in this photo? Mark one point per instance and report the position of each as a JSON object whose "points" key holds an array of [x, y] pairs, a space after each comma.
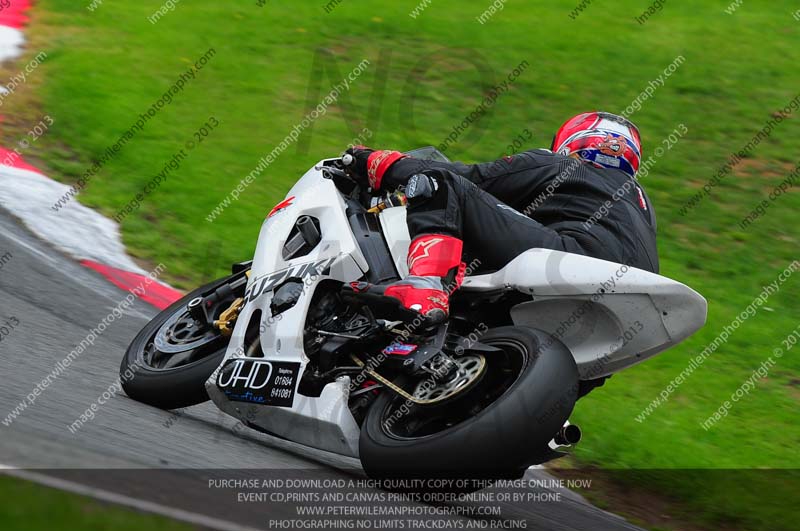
{"points": [[543, 156], [543, 153]]}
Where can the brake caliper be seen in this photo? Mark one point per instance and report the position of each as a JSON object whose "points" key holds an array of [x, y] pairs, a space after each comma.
{"points": [[227, 318]]}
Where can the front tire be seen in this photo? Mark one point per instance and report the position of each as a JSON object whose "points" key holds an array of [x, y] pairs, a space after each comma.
{"points": [[176, 379], [500, 441]]}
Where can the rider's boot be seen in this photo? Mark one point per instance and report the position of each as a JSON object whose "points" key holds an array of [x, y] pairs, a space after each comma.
{"points": [[435, 271]]}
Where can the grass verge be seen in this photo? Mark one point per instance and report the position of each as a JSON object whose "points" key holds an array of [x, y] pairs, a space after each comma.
{"points": [[30, 507]]}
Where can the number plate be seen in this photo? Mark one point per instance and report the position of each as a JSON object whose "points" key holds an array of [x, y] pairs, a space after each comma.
{"points": [[271, 383]]}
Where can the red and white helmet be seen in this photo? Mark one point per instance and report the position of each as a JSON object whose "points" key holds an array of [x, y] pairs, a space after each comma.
{"points": [[603, 139]]}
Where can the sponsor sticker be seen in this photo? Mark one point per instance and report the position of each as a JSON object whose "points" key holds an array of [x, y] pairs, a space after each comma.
{"points": [[258, 381], [399, 349]]}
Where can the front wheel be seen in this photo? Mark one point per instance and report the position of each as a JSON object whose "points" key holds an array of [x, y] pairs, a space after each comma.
{"points": [[497, 429], [169, 361]]}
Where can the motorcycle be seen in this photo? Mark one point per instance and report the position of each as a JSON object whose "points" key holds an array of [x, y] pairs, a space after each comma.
{"points": [[285, 346]]}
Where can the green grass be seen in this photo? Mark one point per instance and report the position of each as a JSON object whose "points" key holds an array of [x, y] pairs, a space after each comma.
{"points": [[29, 507], [274, 64]]}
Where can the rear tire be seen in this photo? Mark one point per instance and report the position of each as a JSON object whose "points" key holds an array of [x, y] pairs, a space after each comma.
{"points": [[503, 439], [177, 387]]}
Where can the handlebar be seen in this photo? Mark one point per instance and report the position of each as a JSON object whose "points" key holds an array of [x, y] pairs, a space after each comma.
{"points": [[337, 172]]}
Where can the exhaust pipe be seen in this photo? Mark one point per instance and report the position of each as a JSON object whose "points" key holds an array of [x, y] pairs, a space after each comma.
{"points": [[568, 435]]}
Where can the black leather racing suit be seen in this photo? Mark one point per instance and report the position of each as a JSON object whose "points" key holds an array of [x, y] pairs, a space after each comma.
{"points": [[534, 199]]}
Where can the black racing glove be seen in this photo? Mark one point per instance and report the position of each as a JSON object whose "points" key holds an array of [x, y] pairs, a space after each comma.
{"points": [[369, 166], [358, 167]]}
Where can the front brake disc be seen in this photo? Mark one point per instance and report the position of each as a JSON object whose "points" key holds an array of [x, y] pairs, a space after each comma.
{"points": [[181, 333]]}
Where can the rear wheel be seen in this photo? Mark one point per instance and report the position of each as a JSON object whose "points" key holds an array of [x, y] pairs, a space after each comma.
{"points": [[497, 427], [169, 361]]}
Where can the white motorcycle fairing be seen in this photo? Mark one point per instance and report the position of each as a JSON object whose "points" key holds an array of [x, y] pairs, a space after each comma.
{"points": [[592, 306], [323, 422]]}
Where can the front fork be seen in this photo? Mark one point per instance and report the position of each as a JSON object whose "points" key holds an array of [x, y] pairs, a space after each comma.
{"points": [[199, 306]]}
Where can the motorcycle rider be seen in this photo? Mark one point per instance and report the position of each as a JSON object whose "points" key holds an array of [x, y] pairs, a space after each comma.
{"points": [[581, 196]]}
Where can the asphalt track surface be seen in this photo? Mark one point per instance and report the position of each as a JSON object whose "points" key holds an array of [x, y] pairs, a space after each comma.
{"points": [[134, 454]]}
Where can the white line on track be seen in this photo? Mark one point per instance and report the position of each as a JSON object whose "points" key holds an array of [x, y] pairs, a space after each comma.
{"points": [[121, 499], [32, 249], [55, 265]]}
